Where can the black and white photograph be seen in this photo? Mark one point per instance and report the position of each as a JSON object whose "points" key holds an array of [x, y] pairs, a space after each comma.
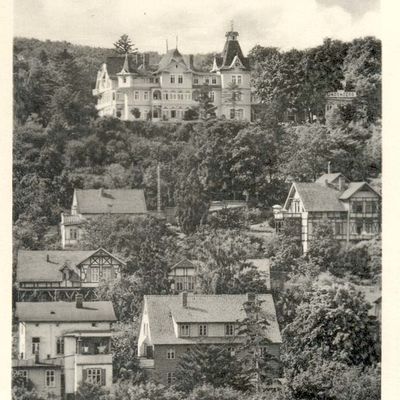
{"points": [[196, 200]]}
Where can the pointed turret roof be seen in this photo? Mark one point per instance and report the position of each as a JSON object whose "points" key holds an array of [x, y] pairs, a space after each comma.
{"points": [[231, 50]]}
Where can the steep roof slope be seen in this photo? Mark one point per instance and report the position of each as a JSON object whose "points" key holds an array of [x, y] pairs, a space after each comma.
{"points": [[163, 310], [114, 201], [60, 311]]}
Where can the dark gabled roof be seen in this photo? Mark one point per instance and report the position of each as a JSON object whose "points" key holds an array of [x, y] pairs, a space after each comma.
{"points": [[230, 51], [115, 64], [316, 197], [60, 311], [164, 310], [184, 263], [354, 187], [32, 265], [330, 178], [114, 201]]}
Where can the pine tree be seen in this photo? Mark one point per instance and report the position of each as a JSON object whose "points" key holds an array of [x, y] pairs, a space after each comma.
{"points": [[124, 45]]}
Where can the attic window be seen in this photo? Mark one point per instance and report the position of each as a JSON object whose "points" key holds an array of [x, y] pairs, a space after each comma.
{"points": [[52, 312]]}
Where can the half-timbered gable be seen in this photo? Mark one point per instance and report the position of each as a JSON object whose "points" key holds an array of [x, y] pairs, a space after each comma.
{"points": [[61, 274]]}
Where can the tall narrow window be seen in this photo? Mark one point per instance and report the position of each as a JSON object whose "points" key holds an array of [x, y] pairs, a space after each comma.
{"points": [[214, 81], [60, 345], [180, 78], [171, 354], [95, 274], [137, 95], [185, 330], [145, 95], [232, 113], [170, 378], [229, 329], [172, 78], [50, 378], [239, 79], [212, 96], [233, 78], [35, 345], [202, 330], [106, 273], [24, 375]]}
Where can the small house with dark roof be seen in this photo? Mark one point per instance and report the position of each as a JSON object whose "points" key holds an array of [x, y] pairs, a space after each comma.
{"points": [[75, 336], [50, 275], [171, 325], [90, 203], [353, 208], [130, 87]]}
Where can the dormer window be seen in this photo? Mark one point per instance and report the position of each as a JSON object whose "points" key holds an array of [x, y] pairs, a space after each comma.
{"points": [[185, 330]]}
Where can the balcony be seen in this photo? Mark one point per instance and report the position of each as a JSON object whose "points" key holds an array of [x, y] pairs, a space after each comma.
{"points": [[93, 359]]}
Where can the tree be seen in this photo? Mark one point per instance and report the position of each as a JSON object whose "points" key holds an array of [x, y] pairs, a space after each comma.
{"points": [[223, 266], [323, 248], [148, 391], [333, 325], [231, 95], [191, 202], [91, 391], [213, 365], [205, 104], [23, 389], [260, 365], [124, 45], [209, 392]]}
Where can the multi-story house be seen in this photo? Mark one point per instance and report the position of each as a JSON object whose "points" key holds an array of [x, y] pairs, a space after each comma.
{"points": [[129, 88], [90, 203], [353, 208], [339, 98], [171, 325], [71, 342], [51, 275]]}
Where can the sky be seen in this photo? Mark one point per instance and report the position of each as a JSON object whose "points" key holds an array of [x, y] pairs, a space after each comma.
{"points": [[199, 25]]}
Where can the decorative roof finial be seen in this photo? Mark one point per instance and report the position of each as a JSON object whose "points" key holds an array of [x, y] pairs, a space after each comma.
{"points": [[176, 45], [232, 28]]}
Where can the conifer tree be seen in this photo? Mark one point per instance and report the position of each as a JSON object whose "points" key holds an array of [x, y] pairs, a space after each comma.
{"points": [[124, 45]]}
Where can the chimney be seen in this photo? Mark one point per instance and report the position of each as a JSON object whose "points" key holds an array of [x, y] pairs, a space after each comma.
{"points": [[184, 297], [341, 183], [79, 301], [191, 61]]}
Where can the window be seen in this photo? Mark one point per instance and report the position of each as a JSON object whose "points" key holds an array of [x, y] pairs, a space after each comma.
{"points": [[35, 345], [202, 330], [229, 329], [107, 273], [124, 79], [95, 375], [170, 354], [95, 274], [180, 78], [369, 228], [296, 206], [239, 114], [212, 96], [137, 96], [157, 80], [237, 96], [185, 330], [371, 207], [24, 375], [263, 350], [50, 378], [151, 80], [232, 113], [172, 78], [60, 345], [170, 378], [358, 227], [173, 113], [233, 78], [195, 81], [145, 95], [207, 81], [357, 207], [214, 81], [113, 96], [74, 233], [339, 228], [239, 79], [190, 283]]}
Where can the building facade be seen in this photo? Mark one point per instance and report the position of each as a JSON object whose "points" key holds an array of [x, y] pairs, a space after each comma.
{"points": [[91, 203], [172, 325], [353, 208], [131, 89], [75, 337], [51, 275], [182, 276]]}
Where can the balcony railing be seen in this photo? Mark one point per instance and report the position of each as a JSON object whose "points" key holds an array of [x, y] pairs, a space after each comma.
{"points": [[93, 358]]}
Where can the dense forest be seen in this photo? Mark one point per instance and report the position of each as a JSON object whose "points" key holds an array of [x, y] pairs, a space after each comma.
{"points": [[331, 347]]}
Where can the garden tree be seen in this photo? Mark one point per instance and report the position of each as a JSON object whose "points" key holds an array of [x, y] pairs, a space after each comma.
{"points": [[125, 363], [254, 159], [333, 325], [362, 69], [258, 54], [192, 202], [323, 247], [214, 365], [230, 96], [259, 364], [124, 45], [330, 380], [210, 392], [206, 108], [307, 152], [191, 114], [373, 150], [223, 266], [228, 219], [23, 389], [148, 391], [91, 391]]}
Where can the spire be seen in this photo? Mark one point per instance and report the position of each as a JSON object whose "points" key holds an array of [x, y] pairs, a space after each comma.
{"points": [[125, 67], [232, 34]]}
